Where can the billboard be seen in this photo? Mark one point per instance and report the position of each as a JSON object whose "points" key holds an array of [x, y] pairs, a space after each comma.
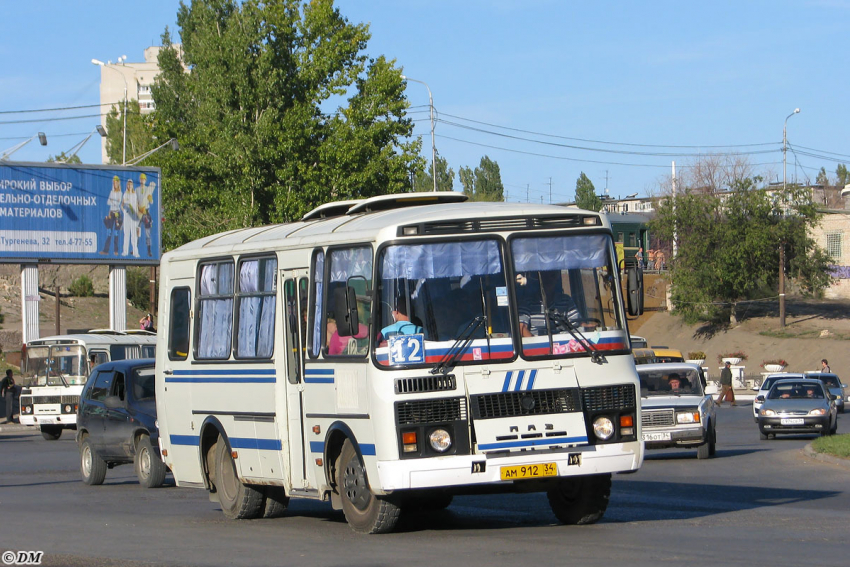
{"points": [[93, 214]]}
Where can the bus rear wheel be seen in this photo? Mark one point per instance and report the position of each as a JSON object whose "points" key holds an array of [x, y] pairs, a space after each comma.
{"points": [[580, 500], [51, 432], [238, 501], [365, 512]]}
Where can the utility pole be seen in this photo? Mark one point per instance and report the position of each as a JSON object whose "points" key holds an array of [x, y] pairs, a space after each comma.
{"points": [[782, 284], [550, 190], [527, 187]]}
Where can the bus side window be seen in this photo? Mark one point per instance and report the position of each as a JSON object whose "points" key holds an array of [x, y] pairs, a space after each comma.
{"points": [[314, 344], [214, 326], [255, 308], [178, 324], [291, 317]]}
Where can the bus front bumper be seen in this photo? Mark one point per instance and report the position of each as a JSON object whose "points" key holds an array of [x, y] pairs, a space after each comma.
{"points": [[483, 469]]}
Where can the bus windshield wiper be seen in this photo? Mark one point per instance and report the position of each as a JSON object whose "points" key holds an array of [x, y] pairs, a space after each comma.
{"points": [[576, 334], [459, 346]]}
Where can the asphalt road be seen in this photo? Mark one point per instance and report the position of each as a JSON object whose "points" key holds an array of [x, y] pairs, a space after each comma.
{"points": [[756, 502]]}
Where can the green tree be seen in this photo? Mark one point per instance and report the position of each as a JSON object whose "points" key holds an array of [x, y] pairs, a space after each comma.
{"points": [[842, 174], [82, 287], [586, 197], [728, 248], [139, 133], [484, 183], [138, 288], [822, 178], [258, 141], [62, 158], [422, 180]]}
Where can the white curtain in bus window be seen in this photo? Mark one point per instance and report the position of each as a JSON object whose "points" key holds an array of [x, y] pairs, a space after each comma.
{"points": [[441, 260], [216, 305], [255, 334], [559, 252], [318, 276], [351, 262]]}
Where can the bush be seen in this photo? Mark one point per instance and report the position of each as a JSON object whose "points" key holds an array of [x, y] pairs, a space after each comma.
{"points": [[82, 287], [696, 355], [139, 288]]}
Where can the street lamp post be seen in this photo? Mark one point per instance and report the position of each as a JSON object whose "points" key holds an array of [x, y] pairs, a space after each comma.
{"points": [[109, 66], [782, 243], [433, 144], [42, 139]]}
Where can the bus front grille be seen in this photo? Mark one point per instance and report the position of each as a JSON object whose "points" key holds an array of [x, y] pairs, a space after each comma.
{"points": [[47, 399], [533, 402], [430, 411], [607, 398], [425, 384]]}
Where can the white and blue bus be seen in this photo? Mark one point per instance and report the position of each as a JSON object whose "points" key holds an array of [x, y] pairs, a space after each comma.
{"points": [[54, 371], [390, 353]]}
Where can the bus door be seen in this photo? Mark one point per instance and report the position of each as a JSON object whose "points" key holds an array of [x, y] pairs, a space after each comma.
{"points": [[295, 293]]}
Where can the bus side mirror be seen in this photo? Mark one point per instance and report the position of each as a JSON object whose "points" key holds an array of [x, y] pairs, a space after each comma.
{"points": [[345, 311], [634, 297]]}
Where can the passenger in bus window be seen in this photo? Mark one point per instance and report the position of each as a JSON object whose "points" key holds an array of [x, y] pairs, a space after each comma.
{"points": [[532, 316], [402, 324]]}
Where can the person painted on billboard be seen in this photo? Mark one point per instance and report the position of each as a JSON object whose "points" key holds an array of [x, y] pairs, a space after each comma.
{"points": [[130, 210], [145, 202], [113, 217]]}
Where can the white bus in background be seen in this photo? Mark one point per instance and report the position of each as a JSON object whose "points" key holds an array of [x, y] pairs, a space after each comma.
{"points": [[54, 371], [274, 378]]}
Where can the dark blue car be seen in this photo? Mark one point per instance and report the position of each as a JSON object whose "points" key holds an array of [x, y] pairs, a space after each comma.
{"points": [[116, 422]]}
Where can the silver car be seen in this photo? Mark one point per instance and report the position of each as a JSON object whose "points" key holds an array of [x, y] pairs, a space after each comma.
{"points": [[675, 410], [797, 405], [765, 387]]}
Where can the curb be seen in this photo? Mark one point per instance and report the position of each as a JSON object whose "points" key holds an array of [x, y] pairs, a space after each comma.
{"points": [[824, 458]]}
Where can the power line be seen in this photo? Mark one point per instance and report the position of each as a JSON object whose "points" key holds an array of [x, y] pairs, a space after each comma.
{"points": [[606, 142], [58, 109], [52, 119], [602, 150], [576, 159], [49, 136], [822, 151]]}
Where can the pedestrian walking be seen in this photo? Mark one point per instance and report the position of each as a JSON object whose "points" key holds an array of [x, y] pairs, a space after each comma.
{"points": [[8, 389], [726, 392]]}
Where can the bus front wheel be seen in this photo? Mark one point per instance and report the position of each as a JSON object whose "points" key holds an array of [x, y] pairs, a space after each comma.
{"points": [[238, 501], [51, 432], [364, 512], [580, 500]]}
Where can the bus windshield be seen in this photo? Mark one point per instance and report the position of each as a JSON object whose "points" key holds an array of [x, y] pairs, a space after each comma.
{"points": [[566, 295], [56, 365], [432, 296]]}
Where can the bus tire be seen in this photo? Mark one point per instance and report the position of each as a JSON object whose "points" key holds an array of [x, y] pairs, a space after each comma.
{"points": [[51, 432], [92, 467], [364, 512], [580, 500], [238, 501], [150, 469], [275, 502]]}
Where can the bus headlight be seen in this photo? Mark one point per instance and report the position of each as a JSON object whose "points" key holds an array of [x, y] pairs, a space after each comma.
{"points": [[440, 440], [603, 428]]}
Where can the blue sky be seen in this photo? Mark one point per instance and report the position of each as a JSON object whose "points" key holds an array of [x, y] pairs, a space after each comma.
{"points": [[634, 75]]}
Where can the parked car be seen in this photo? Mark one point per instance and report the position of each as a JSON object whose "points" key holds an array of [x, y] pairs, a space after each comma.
{"points": [[666, 354], [765, 387], [676, 414], [834, 385], [798, 405], [116, 422]]}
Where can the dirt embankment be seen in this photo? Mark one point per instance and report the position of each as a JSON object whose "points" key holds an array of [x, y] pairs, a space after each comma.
{"points": [[813, 330], [74, 312]]}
